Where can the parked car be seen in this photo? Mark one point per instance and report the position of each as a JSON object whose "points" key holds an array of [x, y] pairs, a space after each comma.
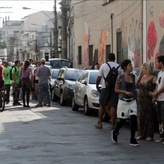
{"points": [[47, 64], [85, 93], [64, 84], [136, 71], [60, 62], [54, 73]]}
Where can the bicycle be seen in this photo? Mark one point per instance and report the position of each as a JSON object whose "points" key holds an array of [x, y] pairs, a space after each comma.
{"points": [[2, 99]]}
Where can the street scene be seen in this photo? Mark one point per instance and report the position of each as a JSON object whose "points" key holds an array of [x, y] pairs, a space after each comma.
{"points": [[82, 82], [60, 135]]}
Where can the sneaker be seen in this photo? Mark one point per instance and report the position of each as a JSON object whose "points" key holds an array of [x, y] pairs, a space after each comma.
{"points": [[134, 143], [98, 125], [112, 127], [38, 105], [19, 103], [139, 138], [149, 139], [48, 105], [160, 140], [114, 136]]}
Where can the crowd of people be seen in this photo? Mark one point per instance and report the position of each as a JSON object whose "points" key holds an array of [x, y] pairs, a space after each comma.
{"points": [[25, 78], [132, 98]]}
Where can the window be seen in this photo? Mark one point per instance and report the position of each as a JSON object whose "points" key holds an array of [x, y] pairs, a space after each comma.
{"points": [[96, 56], [119, 40], [79, 55], [90, 55], [107, 51]]}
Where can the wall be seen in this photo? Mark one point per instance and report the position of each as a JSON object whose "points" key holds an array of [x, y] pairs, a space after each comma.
{"points": [[155, 30], [92, 26]]}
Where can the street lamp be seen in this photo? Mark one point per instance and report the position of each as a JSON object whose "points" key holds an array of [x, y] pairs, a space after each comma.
{"points": [[55, 30]]}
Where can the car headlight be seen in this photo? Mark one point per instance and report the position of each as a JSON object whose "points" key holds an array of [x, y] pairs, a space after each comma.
{"points": [[94, 93], [70, 86]]}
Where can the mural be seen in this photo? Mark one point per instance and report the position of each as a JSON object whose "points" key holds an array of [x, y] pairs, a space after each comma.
{"points": [[151, 40], [85, 56], [155, 40], [102, 52], [131, 42]]}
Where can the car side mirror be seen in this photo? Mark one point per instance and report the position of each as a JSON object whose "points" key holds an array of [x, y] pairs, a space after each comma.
{"points": [[84, 82], [60, 78]]}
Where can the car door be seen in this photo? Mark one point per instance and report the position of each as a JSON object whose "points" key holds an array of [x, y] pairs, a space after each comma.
{"points": [[83, 88], [58, 83], [77, 89]]}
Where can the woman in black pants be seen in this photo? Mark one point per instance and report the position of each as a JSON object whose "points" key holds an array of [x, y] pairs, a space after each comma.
{"points": [[26, 73], [127, 106]]}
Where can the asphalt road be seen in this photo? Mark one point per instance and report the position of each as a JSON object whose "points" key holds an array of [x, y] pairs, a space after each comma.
{"points": [[59, 135]]}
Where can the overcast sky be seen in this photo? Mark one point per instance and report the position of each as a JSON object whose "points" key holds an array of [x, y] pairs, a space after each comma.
{"points": [[13, 8]]}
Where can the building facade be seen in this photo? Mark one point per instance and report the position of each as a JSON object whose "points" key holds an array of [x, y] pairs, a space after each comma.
{"points": [[130, 29]]}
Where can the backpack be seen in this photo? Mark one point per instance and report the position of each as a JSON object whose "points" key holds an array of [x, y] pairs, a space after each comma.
{"points": [[111, 77], [11, 72]]}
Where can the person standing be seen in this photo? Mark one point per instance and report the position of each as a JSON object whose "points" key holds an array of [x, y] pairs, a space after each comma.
{"points": [[146, 83], [26, 73], [108, 97], [158, 95], [127, 106], [44, 74], [16, 82], [35, 81], [7, 81]]}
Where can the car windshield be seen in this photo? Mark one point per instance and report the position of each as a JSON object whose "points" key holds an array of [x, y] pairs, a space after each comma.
{"points": [[54, 74], [93, 77], [60, 63], [72, 75]]}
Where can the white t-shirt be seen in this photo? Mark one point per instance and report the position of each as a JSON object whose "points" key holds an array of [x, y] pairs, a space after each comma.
{"points": [[160, 83], [104, 70]]}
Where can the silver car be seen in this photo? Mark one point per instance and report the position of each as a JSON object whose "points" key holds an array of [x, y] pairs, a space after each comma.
{"points": [[85, 93]]}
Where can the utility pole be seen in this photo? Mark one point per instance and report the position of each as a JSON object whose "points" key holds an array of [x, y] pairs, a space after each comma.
{"points": [[55, 31], [64, 28]]}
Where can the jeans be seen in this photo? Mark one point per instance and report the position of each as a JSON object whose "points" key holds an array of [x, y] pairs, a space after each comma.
{"points": [[16, 91], [26, 92], [7, 92], [44, 88]]}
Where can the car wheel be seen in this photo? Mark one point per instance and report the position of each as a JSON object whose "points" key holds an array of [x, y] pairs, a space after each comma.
{"points": [[87, 110], [54, 97], [62, 102], [75, 107]]}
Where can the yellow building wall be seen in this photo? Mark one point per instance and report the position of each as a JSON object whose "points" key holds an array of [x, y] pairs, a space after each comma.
{"points": [[92, 26]]}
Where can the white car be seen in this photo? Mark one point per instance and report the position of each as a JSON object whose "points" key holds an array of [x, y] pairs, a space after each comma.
{"points": [[85, 93]]}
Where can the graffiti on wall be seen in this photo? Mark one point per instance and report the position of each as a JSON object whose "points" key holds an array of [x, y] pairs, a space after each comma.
{"points": [[102, 52], [155, 39], [85, 57], [131, 42]]}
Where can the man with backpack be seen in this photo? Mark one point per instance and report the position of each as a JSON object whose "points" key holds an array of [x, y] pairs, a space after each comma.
{"points": [[108, 98]]}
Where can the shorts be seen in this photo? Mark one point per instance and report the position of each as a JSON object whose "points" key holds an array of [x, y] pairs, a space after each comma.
{"points": [[108, 96], [126, 109]]}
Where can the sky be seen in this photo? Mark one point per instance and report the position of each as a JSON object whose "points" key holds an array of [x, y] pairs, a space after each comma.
{"points": [[13, 8]]}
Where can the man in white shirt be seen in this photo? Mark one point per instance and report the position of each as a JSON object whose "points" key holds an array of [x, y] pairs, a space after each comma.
{"points": [[108, 98], [159, 96]]}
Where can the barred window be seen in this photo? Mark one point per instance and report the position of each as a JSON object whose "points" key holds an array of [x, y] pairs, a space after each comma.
{"points": [[79, 55]]}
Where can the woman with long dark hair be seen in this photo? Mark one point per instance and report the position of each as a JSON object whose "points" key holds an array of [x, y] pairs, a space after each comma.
{"points": [[26, 73]]}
